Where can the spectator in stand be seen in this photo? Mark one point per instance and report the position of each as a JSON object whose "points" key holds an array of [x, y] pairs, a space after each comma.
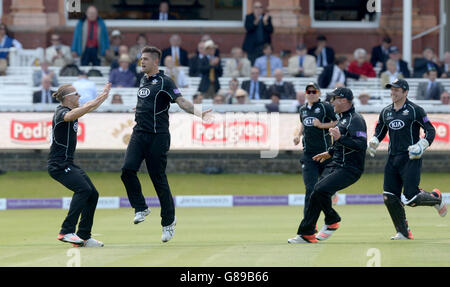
{"points": [[380, 53], [90, 39], [163, 13], [44, 71], [194, 62], [179, 55], [431, 89], [237, 65], [116, 99], [175, 73], [6, 42], [360, 65], [123, 77], [274, 105], [402, 66], [445, 98], [57, 54], [113, 52], [207, 37], [85, 88], [300, 97], [390, 74], [427, 62], [285, 89], [258, 26], [241, 98], [44, 95], [335, 75], [135, 51], [210, 69], [302, 64], [197, 98], [254, 87], [324, 55], [218, 100], [268, 63], [123, 50], [445, 68], [363, 98], [230, 94]]}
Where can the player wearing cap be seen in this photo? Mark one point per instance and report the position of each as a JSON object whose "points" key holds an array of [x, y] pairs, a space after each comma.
{"points": [[316, 117], [150, 140], [62, 168], [348, 156], [403, 120]]}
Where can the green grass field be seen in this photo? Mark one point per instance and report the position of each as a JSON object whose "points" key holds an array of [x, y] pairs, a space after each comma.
{"points": [[235, 236]]}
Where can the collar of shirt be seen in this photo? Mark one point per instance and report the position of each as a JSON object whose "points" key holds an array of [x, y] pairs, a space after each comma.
{"points": [[279, 83], [122, 70], [349, 111], [403, 107]]}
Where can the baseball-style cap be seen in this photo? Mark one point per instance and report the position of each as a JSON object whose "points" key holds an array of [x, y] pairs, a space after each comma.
{"points": [[342, 93], [312, 84], [393, 49], [398, 83]]}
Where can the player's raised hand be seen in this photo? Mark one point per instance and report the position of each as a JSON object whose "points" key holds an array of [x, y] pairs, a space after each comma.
{"points": [[335, 133], [207, 116], [105, 93]]}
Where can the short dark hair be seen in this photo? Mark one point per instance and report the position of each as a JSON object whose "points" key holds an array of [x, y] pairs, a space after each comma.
{"points": [[340, 60], [155, 52], [321, 38], [387, 39], [431, 69]]}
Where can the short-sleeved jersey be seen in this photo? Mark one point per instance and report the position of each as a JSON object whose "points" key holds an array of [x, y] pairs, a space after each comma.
{"points": [[403, 126], [316, 140], [349, 150], [63, 137], [154, 97]]}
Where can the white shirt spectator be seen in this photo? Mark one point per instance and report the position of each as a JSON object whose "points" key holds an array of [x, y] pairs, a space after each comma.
{"points": [[338, 77], [86, 89]]}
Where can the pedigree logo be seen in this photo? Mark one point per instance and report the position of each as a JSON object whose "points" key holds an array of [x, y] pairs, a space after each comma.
{"points": [[36, 132], [230, 132]]}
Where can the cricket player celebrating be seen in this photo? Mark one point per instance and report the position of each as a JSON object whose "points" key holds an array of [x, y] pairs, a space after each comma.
{"points": [[403, 119]]}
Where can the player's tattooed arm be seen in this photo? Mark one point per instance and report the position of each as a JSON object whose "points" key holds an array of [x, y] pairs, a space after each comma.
{"points": [[188, 107]]}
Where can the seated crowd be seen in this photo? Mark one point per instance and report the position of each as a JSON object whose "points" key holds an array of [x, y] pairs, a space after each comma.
{"points": [[206, 63]]}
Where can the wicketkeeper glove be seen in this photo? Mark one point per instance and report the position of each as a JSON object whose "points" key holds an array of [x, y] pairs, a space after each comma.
{"points": [[416, 150], [373, 144]]}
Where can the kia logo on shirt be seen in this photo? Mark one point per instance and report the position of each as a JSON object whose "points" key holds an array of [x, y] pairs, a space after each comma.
{"points": [[309, 121], [143, 93], [396, 124]]}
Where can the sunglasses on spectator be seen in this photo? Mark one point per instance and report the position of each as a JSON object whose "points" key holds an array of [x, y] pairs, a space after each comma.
{"points": [[312, 92]]}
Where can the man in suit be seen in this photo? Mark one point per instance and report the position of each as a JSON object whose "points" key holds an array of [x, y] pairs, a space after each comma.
{"points": [[255, 88], [336, 74], [302, 64], [237, 65], [194, 61], [430, 90], [445, 67], [44, 95], [259, 29], [324, 55], [402, 66], [380, 53], [179, 54], [427, 62], [268, 63], [285, 89], [210, 69], [163, 14]]}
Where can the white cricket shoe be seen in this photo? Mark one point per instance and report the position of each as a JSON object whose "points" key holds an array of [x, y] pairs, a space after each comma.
{"points": [[303, 239], [91, 242], [70, 238], [326, 231], [400, 236], [442, 207], [168, 231], [140, 216]]}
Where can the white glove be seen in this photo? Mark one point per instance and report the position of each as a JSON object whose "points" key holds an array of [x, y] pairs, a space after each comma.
{"points": [[416, 150], [373, 144]]}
